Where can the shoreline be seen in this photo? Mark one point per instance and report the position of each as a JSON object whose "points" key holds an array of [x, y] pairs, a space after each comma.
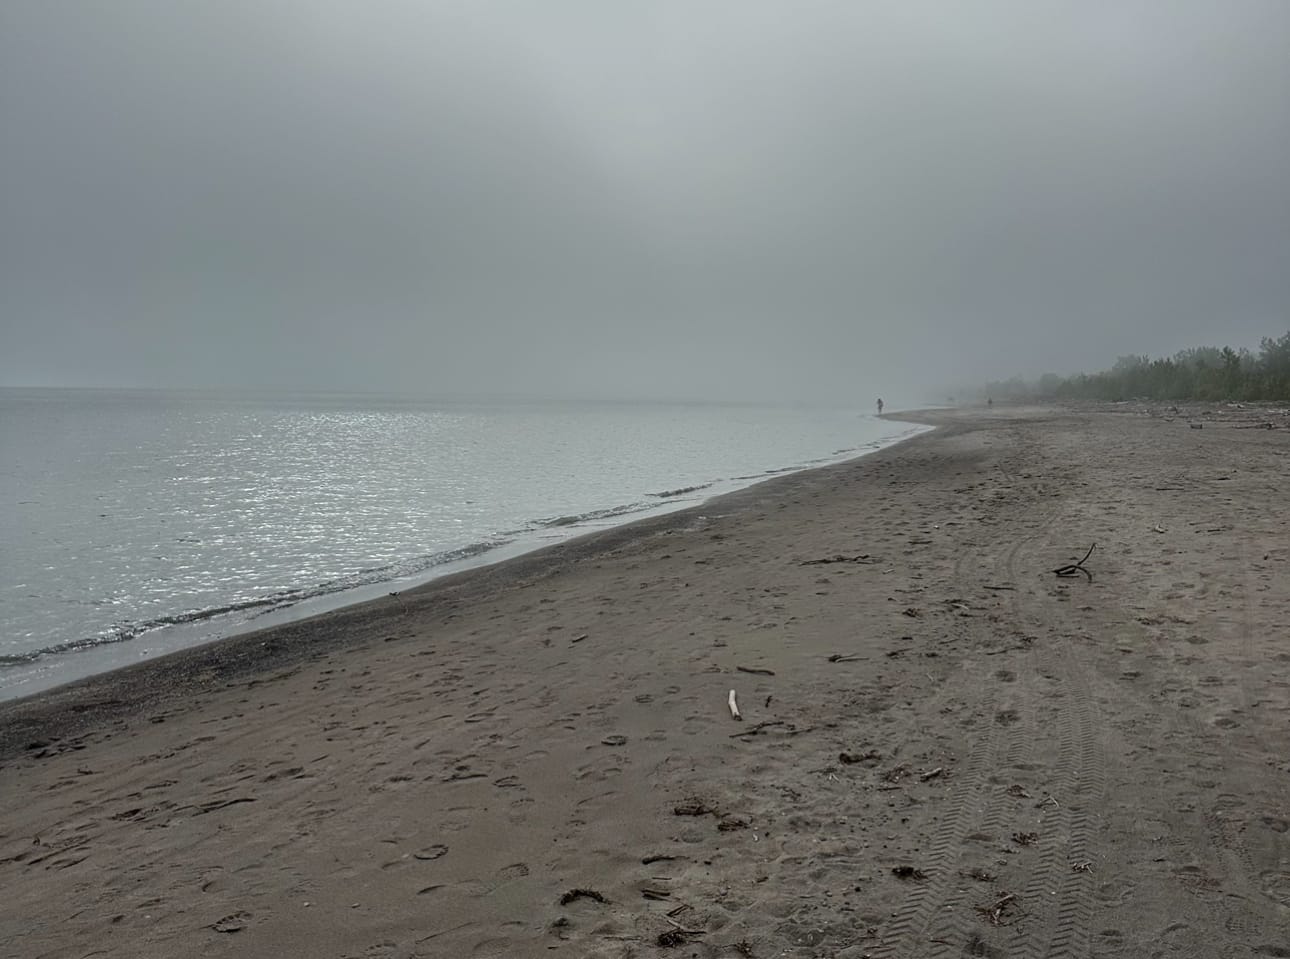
{"points": [[100, 694], [78, 659], [944, 748]]}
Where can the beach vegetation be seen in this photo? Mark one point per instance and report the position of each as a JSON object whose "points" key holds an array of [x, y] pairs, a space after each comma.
{"points": [[1204, 374]]}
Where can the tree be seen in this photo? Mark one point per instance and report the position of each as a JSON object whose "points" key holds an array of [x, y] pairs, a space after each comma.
{"points": [[1204, 373]]}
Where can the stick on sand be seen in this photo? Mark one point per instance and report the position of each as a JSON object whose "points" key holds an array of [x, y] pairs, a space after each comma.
{"points": [[734, 707]]}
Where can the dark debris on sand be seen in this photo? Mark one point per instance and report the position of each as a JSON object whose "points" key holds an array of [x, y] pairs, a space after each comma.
{"points": [[575, 894]]}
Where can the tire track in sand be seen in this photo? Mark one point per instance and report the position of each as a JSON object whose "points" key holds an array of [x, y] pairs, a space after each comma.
{"points": [[955, 927], [1058, 899], [907, 930], [935, 919]]}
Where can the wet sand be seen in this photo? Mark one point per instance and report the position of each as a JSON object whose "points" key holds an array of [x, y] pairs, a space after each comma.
{"points": [[945, 750]]}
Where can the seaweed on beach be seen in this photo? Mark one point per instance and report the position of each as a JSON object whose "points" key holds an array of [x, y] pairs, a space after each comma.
{"points": [[694, 807], [575, 894]]}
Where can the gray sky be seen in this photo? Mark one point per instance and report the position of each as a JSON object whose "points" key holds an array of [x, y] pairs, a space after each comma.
{"points": [[708, 199]]}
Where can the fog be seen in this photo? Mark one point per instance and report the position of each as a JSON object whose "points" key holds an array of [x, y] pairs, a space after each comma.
{"points": [[721, 200]]}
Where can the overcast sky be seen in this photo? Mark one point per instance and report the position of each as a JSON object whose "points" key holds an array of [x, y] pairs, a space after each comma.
{"points": [[704, 199]]}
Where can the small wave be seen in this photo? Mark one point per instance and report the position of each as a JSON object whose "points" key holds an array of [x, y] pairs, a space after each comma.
{"points": [[595, 514], [124, 632], [668, 493]]}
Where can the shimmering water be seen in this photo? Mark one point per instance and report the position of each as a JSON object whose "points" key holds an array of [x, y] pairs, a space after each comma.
{"points": [[137, 522]]}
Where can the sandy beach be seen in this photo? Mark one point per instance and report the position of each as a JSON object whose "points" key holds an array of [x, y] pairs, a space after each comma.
{"points": [[945, 749]]}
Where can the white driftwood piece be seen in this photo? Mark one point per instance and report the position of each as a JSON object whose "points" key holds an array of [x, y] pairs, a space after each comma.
{"points": [[734, 707]]}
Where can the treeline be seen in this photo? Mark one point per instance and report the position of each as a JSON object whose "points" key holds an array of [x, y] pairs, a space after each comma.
{"points": [[1206, 374]]}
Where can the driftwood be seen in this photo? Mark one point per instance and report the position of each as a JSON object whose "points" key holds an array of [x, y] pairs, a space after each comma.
{"points": [[734, 707], [684, 931], [997, 912], [789, 729], [677, 935], [754, 730], [1074, 569]]}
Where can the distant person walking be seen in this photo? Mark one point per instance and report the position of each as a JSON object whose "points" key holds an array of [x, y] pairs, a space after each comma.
{"points": [[880, 406]]}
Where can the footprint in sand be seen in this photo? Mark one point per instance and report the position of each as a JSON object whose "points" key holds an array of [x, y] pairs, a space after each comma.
{"points": [[594, 772], [385, 949], [1276, 885], [232, 923]]}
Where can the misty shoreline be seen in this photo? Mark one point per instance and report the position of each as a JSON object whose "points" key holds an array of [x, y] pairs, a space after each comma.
{"points": [[221, 625], [171, 520], [937, 731], [193, 630]]}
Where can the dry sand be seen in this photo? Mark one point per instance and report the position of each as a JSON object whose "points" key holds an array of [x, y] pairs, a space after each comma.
{"points": [[1005, 763]]}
